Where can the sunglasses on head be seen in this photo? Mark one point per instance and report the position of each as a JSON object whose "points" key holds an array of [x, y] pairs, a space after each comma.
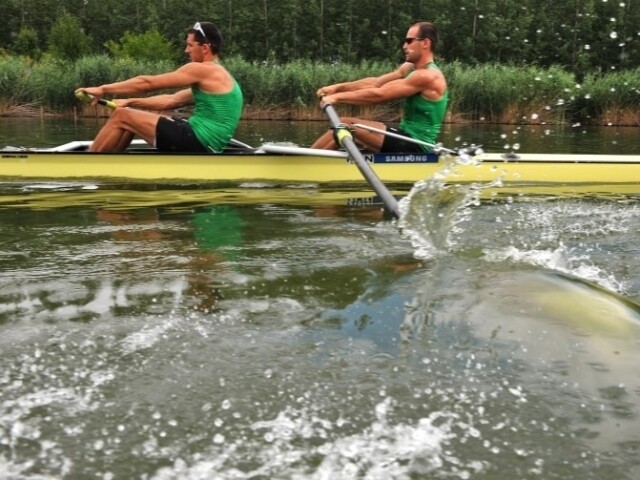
{"points": [[198, 28], [409, 40]]}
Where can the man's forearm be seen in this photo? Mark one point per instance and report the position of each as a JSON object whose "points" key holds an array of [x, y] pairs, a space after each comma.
{"points": [[156, 103], [135, 85], [355, 85]]}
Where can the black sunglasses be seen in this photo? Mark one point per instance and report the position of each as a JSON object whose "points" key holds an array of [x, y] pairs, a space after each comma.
{"points": [[409, 40]]}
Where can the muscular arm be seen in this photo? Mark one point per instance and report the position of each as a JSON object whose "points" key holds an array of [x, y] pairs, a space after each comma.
{"points": [[348, 86], [159, 102], [429, 83], [187, 75], [368, 82]]}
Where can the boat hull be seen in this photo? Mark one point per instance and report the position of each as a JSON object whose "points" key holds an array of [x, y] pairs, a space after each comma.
{"points": [[270, 167]]}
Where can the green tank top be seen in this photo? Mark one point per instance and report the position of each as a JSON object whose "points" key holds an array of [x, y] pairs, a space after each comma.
{"points": [[422, 119], [216, 116]]}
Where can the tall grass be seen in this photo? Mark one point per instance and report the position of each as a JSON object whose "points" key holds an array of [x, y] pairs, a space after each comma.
{"points": [[50, 83], [508, 94], [486, 93], [610, 99], [286, 89], [14, 80]]}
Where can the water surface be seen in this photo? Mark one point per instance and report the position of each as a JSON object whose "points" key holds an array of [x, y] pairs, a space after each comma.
{"points": [[297, 333], [49, 132]]}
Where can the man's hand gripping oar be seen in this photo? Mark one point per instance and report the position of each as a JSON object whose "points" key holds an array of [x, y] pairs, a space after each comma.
{"points": [[86, 97]]}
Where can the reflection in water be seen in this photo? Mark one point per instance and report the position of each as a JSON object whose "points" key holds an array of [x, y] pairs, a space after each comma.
{"points": [[566, 335], [218, 227], [555, 336], [205, 339]]}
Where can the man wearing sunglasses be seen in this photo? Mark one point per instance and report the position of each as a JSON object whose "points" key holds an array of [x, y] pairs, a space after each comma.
{"points": [[418, 82], [203, 82]]}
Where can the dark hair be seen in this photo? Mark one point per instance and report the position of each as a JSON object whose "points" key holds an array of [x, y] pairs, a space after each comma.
{"points": [[213, 36], [428, 30]]}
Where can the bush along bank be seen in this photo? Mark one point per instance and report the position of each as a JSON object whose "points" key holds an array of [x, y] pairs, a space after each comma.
{"points": [[489, 93]]}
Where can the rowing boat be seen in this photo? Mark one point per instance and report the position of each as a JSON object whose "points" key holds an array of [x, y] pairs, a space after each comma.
{"points": [[289, 164]]}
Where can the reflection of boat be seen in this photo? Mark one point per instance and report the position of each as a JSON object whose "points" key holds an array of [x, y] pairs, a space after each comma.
{"points": [[60, 195], [276, 163]]}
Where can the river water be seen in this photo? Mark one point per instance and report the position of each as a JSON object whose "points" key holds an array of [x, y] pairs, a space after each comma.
{"points": [[173, 333]]}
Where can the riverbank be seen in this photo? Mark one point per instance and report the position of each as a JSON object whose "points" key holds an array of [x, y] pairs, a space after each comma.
{"points": [[489, 93], [615, 117]]}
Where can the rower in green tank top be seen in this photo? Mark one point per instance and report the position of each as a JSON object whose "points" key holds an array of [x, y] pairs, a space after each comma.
{"points": [[418, 82], [224, 108], [203, 82], [422, 118]]}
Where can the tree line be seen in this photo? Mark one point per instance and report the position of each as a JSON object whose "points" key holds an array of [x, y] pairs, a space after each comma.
{"points": [[578, 35]]}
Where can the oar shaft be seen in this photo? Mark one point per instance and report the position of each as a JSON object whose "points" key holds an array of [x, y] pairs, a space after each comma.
{"points": [[403, 137], [343, 135]]}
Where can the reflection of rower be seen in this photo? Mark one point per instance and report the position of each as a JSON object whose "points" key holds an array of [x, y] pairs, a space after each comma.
{"points": [[217, 232], [214, 229], [132, 216], [218, 228]]}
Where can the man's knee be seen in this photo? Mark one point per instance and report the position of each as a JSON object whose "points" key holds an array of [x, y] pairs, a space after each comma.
{"points": [[125, 113], [128, 119], [117, 116]]}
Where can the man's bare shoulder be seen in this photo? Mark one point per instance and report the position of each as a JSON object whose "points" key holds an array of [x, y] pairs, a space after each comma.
{"points": [[430, 81], [209, 76]]}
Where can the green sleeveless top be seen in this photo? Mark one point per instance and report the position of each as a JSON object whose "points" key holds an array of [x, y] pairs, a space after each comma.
{"points": [[216, 116], [422, 119]]}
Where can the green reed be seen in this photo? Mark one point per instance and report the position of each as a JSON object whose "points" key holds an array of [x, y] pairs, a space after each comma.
{"points": [[294, 83], [487, 93], [13, 81], [609, 99], [50, 83], [508, 94]]}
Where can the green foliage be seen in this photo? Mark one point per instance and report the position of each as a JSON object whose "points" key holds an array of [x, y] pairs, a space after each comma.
{"points": [[52, 80], [26, 43], [149, 45], [487, 92], [607, 98], [47, 82], [507, 93], [14, 77], [294, 83], [93, 70], [577, 35], [67, 41]]}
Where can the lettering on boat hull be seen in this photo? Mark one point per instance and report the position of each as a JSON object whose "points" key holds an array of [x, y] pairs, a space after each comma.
{"points": [[401, 158]]}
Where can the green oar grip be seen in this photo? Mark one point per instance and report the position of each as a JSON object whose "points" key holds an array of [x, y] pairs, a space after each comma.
{"points": [[85, 97]]}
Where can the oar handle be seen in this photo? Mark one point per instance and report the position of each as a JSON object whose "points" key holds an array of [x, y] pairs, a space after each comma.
{"points": [[85, 97], [344, 138]]}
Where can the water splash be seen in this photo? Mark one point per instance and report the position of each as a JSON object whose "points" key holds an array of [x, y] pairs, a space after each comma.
{"points": [[566, 236], [382, 450], [432, 212]]}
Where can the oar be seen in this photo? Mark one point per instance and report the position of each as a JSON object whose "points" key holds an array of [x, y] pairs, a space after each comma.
{"points": [[85, 97], [344, 138], [436, 148], [463, 153]]}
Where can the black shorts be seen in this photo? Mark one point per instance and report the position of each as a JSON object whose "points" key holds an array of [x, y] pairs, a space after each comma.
{"points": [[394, 145], [176, 135]]}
